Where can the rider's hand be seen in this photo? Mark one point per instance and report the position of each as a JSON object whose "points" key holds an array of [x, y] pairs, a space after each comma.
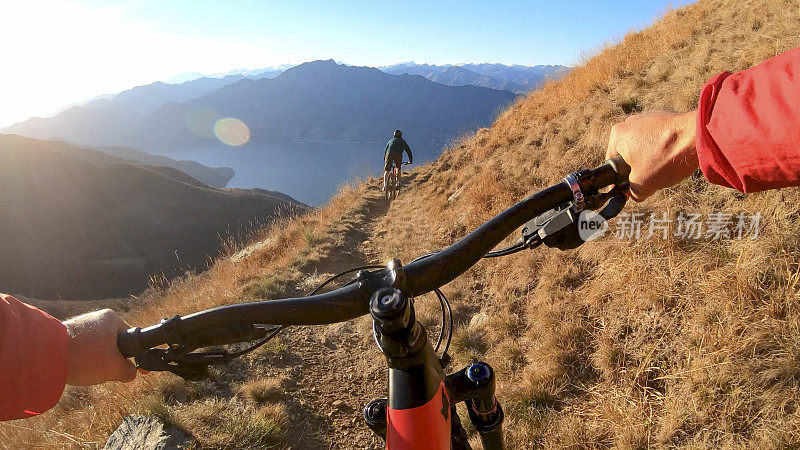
{"points": [[659, 148], [93, 354]]}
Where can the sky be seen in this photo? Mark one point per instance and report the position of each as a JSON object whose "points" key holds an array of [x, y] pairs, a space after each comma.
{"points": [[59, 52]]}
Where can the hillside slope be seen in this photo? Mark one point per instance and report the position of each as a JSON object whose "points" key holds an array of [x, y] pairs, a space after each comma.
{"points": [[78, 224], [620, 344], [627, 343]]}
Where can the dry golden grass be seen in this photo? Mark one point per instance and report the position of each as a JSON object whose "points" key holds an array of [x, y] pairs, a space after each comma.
{"points": [[656, 343], [262, 391], [85, 417]]}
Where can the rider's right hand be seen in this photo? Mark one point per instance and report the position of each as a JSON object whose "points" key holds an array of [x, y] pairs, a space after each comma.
{"points": [[660, 148]]}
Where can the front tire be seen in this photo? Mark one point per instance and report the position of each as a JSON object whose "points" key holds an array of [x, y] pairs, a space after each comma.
{"points": [[389, 190]]}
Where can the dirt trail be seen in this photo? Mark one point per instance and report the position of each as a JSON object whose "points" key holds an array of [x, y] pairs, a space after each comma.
{"points": [[330, 372]]}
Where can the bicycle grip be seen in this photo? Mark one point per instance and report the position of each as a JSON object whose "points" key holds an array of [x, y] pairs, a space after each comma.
{"points": [[128, 342], [618, 165]]}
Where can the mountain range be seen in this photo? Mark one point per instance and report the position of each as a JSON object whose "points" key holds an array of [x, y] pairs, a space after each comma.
{"points": [[79, 223], [265, 72], [89, 123], [319, 101], [515, 78], [210, 176]]}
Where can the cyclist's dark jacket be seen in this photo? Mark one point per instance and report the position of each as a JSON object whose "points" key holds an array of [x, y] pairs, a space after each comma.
{"points": [[396, 146]]}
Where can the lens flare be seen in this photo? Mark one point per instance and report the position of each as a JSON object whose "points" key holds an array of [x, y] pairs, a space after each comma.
{"points": [[232, 131], [201, 121]]}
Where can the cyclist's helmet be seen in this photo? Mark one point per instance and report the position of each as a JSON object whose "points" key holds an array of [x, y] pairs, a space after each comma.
{"points": [[398, 133]]}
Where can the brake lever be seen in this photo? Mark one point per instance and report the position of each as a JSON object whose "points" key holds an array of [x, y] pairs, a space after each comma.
{"points": [[191, 366], [558, 227]]}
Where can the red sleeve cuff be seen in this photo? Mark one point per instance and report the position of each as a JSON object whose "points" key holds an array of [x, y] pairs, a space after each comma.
{"points": [[713, 163], [34, 352]]}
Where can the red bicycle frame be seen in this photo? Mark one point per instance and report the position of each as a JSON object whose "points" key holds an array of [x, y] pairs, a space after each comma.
{"points": [[420, 413]]}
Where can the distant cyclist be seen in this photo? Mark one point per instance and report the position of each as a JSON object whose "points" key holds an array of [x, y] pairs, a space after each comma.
{"points": [[393, 156]]}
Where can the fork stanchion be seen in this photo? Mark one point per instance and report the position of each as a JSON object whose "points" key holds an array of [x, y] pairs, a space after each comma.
{"points": [[475, 386]]}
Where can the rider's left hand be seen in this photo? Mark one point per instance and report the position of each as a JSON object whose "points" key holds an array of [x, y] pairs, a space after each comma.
{"points": [[93, 354]]}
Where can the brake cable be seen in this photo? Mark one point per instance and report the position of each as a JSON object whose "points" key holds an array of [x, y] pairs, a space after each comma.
{"points": [[445, 304], [274, 331], [340, 274]]}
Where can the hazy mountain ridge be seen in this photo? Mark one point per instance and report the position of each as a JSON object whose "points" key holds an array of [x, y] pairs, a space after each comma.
{"points": [[78, 223], [212, 176], [147, 98], [118, 111], [207, 176], [515, 78], [265, 72], [319, 101]]}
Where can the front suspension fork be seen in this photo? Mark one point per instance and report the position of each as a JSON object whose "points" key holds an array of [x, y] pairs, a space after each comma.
{"points": [[420, 412], [475, 386]]}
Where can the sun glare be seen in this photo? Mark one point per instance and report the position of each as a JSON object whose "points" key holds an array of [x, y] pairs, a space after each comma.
{"points": [[201, 121], [58, 52]]}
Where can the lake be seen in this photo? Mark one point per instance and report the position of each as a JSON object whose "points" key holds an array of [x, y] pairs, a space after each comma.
{"points": [[309, 172]]}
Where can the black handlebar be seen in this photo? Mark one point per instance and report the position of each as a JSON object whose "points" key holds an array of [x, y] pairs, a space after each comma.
{"points": [[443, 267], [235, 323], [331, 307]]}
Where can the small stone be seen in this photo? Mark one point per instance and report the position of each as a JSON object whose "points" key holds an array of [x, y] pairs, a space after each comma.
{"points": [[478, 320], [144, 432]]}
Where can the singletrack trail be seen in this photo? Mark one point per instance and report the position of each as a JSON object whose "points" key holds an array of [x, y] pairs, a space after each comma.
{"points": [[329, 373]]}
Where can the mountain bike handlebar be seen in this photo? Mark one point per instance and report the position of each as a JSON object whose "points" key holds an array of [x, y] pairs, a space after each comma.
{"points": [[238, 323]]}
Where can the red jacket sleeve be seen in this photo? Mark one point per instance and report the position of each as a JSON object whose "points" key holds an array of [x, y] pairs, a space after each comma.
{"points": [[748, 126], [33, 359]]}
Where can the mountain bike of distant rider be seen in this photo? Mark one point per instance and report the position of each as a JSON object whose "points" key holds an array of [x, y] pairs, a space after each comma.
{"points": [[391, 182]]}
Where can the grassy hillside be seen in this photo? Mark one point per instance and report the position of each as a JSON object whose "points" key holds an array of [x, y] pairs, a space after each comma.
{"points": [[628, 344], [79, 224], [240, 407]]}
